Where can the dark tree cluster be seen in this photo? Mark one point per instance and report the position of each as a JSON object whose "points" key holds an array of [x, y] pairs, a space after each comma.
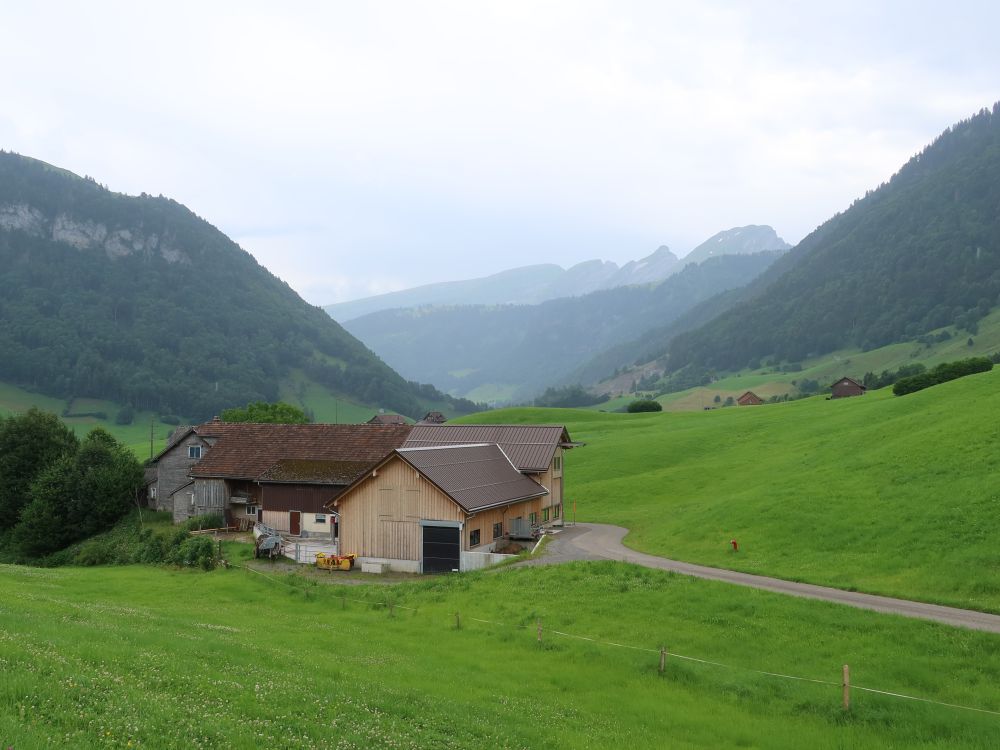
{"points": [[569, 397], [942, 374], [56, 490]]}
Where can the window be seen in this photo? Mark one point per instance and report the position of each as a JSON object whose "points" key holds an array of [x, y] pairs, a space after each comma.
{"points": [[555, 510], [545, 515], [557, 463], [320, 518], [533, 518], [474, 538], [497, 530], [152, 491], [194, 451], [251, 510]]}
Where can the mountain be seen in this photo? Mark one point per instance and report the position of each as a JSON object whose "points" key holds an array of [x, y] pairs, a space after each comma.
{"points": [[510, 352], [530, 285], [749, 239], [137, 300], [920, 252]]}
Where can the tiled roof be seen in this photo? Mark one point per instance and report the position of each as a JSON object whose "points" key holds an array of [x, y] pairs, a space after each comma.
{"points": [[474, 476], [529, 447], [248, 450]]}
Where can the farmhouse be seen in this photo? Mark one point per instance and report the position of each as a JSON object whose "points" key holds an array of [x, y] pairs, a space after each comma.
{"points": [[749, 399], [280, 474], [846, 387], [424, 510]]}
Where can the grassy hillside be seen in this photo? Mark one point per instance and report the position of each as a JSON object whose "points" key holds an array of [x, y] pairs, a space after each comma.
{"points": [[148, 657], [879, 493], [297, 390]]}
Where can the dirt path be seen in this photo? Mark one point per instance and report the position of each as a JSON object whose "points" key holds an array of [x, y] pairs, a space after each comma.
{"points": [[592, 541]]}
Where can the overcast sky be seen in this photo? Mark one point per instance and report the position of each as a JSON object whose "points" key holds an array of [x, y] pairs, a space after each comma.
{"points": [[362, 147]]}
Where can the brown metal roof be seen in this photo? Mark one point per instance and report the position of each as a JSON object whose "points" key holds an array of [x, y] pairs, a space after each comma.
{"points": [[529, 447], [248, 450], [474, 476]]}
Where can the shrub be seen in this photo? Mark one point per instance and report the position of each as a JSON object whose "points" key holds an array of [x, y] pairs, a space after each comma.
{"points": [[942, 374], [170, 419], [644, 404], [126, 415]]}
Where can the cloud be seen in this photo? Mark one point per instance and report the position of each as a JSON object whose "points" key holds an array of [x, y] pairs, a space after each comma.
{"points": [[362, 146]]}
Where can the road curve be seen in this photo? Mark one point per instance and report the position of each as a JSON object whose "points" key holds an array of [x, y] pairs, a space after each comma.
{"points": [[594, 541]]}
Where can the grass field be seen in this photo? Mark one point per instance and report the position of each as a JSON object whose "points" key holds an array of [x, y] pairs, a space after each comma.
{"points": [[882, 494], [150, 657]]}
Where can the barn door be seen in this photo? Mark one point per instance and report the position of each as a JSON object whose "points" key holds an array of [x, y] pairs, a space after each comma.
{"points": [[294, 522], [442, 549]]}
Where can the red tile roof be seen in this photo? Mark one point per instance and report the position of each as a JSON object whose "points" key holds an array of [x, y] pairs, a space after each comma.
{"points": [[529, 447], [387, 419], [249, 451]]}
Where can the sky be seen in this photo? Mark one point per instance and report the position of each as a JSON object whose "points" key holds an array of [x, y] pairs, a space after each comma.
{"points": [[356, 148]]}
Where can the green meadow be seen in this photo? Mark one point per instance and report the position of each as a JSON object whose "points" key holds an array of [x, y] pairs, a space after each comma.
{"points": [[890, 495], [159, 658]]}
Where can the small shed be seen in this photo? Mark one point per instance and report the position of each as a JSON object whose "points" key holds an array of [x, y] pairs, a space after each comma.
{"points": [[846, 387], [433, 417], [749, 399]]}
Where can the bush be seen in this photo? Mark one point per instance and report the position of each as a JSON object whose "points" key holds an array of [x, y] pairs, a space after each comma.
{"points": [[644, 404], [126, 415], [207, 521], [170, 419], [942, 374]]}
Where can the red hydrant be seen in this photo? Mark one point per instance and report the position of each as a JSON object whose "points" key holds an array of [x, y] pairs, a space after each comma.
{"points": [[736, 547]]}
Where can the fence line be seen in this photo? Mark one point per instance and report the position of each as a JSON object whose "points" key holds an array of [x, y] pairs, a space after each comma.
{"points": [[669, 655]]}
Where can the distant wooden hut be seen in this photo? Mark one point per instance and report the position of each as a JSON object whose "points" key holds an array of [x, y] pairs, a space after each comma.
{"points": [[387, 419], [433, 417], [749, 399], [846, 387]]}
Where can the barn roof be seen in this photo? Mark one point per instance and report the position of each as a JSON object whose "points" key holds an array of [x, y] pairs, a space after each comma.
{"points": [[387, 419], [845, 380], [529, 447], [294, 451], [474, 476]]}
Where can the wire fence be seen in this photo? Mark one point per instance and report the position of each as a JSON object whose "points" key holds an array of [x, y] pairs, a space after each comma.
{"points": [[844, 684]]}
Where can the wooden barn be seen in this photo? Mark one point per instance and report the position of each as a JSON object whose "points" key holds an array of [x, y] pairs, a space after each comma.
{"points": [[846, 387], [535, 450], [749, 399], [424, 510]]}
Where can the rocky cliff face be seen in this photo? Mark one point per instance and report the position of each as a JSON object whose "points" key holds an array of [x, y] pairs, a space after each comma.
{"points": [[87, 235]]}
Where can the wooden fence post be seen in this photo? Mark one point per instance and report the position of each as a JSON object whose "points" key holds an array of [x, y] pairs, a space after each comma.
{"points": [[539, 629], [458, 621], [847, 688], [663, 659]]}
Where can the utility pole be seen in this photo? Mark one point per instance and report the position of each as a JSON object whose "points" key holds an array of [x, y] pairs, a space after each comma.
{"points": [[151, 437]]}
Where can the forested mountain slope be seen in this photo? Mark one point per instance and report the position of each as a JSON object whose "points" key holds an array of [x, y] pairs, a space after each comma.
{"points": [[526, 347], [137, 300], [920, 252]]}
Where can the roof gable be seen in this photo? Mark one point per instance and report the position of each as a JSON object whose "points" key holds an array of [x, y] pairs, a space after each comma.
{"points": [[529, 447], [474, 477]]}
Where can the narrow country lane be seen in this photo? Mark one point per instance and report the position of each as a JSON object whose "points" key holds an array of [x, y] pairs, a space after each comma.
{"points": [[593, 541]]}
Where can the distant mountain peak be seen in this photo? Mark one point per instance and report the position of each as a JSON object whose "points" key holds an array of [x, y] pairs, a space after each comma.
{"points": [[753, 238]]}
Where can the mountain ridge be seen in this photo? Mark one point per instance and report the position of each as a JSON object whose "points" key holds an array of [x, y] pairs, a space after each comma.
{"points": [[539, 283]]}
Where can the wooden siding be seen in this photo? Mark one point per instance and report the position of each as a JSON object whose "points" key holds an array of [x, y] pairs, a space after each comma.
{"points": [[276, 519], [485, 519], [381, 517], [172, 471], [309, 498]]}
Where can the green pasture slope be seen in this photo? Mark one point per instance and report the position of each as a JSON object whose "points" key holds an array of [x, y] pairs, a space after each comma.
{"points": [[150, 657], [891, 495], [767, 382]]}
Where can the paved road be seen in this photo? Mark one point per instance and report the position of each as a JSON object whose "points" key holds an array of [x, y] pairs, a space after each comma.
{"points": [[592, 541]]}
